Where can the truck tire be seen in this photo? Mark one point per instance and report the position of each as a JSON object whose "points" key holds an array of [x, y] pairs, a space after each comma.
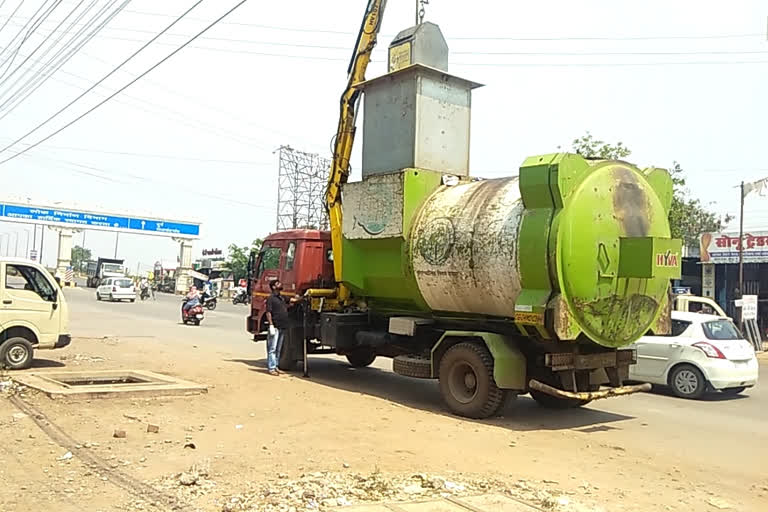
{"points": [[286, 362], [361, 357], [466, 381], [410, 365], [16, 354]]}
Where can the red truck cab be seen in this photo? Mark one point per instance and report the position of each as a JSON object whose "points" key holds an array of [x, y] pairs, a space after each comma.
{"points": [[301, 259]]}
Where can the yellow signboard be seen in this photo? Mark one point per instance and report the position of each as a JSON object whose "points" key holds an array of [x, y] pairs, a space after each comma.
{"points": [[399, 56]]}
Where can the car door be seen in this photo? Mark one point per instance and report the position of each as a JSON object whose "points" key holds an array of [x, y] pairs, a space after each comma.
{"points": [[654, 353], [29, 298]]}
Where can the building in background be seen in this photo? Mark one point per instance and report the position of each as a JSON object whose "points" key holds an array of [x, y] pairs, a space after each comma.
{"points": [[720, 270]]}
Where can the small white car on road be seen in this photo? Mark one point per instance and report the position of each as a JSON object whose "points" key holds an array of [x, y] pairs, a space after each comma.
{"points": [[703, 353], [116, 288]]}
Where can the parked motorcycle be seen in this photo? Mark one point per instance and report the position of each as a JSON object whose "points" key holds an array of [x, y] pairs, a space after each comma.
{"points": [[193, 315], [209, 302], [240, 295]]}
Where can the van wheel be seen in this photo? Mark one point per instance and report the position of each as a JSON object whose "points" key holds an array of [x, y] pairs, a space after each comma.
{"points": [[466, 381], [16, 354]]}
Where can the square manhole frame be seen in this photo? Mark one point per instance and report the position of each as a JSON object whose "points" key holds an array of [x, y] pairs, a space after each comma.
{"points": [[154, 384]]}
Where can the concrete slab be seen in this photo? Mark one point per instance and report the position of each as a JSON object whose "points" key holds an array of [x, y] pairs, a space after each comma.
{"points": [[483, 503], [107, 383], [495, 503], [431, 506]]}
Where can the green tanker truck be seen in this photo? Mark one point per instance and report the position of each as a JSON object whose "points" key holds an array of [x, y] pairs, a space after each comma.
{"points": [[528, 284]]}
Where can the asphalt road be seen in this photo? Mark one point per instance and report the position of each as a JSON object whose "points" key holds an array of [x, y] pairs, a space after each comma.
{"points": [[717, 432]]}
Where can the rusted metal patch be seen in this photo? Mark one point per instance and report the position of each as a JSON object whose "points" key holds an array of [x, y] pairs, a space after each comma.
{"points": [[630, 202], [463, 248], [374, 208]]}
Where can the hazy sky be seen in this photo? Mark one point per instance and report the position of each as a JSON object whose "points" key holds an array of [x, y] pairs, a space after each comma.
{"points": [[683, 80]]}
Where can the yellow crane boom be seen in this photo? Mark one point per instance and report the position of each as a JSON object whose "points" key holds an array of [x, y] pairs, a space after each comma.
{"points": [[345, 132]]}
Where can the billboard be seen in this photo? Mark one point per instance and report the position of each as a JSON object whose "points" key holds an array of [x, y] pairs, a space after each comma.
{"points": [[724, 247]]}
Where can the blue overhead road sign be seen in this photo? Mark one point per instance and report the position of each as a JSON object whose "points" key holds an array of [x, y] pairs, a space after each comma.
{"points": [[74, 219]]}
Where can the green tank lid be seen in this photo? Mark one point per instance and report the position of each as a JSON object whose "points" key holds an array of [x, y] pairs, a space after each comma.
{"points": [[609, 251]]}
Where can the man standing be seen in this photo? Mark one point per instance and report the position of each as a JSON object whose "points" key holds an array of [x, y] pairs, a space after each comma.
{"points": [[277, 317]]}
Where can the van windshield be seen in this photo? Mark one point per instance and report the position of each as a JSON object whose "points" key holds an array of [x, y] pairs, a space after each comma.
{"points": [[721, 330]]}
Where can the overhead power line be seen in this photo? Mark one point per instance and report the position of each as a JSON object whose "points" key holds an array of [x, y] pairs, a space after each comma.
{"points": [[35, 20], [61, 57], [121, 89], [484, 38], [381, 49], [18, 6], [45, 40]]}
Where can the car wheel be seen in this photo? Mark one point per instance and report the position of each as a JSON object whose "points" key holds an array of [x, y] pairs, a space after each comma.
{"points": [[687, 381], [133, 300], [16, 354], [111, 298], [98, 297], [734, 391]]}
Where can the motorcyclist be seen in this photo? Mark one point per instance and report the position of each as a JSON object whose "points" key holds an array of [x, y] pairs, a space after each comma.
{"points": [[206, 290], [192, 299]]}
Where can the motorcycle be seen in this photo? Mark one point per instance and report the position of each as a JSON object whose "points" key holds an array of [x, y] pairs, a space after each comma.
{"points": [[240, 295], [209, 302], [144, 295], [193, 315]]}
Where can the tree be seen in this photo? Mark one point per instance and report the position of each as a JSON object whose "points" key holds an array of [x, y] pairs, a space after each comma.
{"points": [[80, 258], [237, 259], [688, 217]]}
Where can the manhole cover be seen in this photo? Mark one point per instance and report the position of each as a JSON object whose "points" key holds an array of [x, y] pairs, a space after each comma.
{"points": [[106, 383]]}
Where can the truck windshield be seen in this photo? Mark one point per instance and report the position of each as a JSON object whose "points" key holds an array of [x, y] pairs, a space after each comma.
{"points": [[270, 260], [721, 330], [112, 267]]}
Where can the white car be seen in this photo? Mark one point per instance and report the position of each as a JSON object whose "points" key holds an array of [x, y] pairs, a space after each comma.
{"points": [[703, 353], [116, 288]]}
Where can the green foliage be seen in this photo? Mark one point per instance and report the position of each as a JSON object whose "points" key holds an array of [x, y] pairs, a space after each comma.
{"points": [[688, 217], [237, 259], [80, 258], [590, 147]]}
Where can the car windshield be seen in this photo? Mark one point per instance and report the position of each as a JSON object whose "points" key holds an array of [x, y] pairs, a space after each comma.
{"points": [[721, 330], [123, 283]]}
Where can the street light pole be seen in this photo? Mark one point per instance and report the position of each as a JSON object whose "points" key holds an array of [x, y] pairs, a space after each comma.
{"points": [[117, 240], [16, 250]]}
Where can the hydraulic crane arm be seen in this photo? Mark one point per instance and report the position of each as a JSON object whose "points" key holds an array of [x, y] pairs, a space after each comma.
{"points": [[345, 132]]}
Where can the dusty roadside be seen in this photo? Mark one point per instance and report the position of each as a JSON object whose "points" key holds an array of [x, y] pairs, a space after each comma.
{"points": [[252, 434]]}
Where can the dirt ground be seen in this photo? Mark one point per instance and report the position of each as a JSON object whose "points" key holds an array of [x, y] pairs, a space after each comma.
{"points": [[252, 430]]}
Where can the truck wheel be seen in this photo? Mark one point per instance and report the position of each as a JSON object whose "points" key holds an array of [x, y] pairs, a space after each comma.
{"points": [[286, 362], [412, 365], [16, 354], [361, 357], [466, 381]]}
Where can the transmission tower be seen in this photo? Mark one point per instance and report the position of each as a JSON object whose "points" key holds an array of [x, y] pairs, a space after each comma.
{"points": [[301, 185]]}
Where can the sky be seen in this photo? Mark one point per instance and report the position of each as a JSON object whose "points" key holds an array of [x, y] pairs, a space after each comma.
{"points": [[681, 81]]}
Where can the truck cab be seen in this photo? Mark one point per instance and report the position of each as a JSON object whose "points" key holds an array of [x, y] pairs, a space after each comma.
{"points": [[33, 312], [301, 259]]}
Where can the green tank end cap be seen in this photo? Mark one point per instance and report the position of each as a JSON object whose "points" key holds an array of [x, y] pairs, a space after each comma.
{"points": [[661, 182], [650, 257]]}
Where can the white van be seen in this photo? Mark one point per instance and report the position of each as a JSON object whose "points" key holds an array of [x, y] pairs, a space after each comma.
{"points": [[33, 312]]}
